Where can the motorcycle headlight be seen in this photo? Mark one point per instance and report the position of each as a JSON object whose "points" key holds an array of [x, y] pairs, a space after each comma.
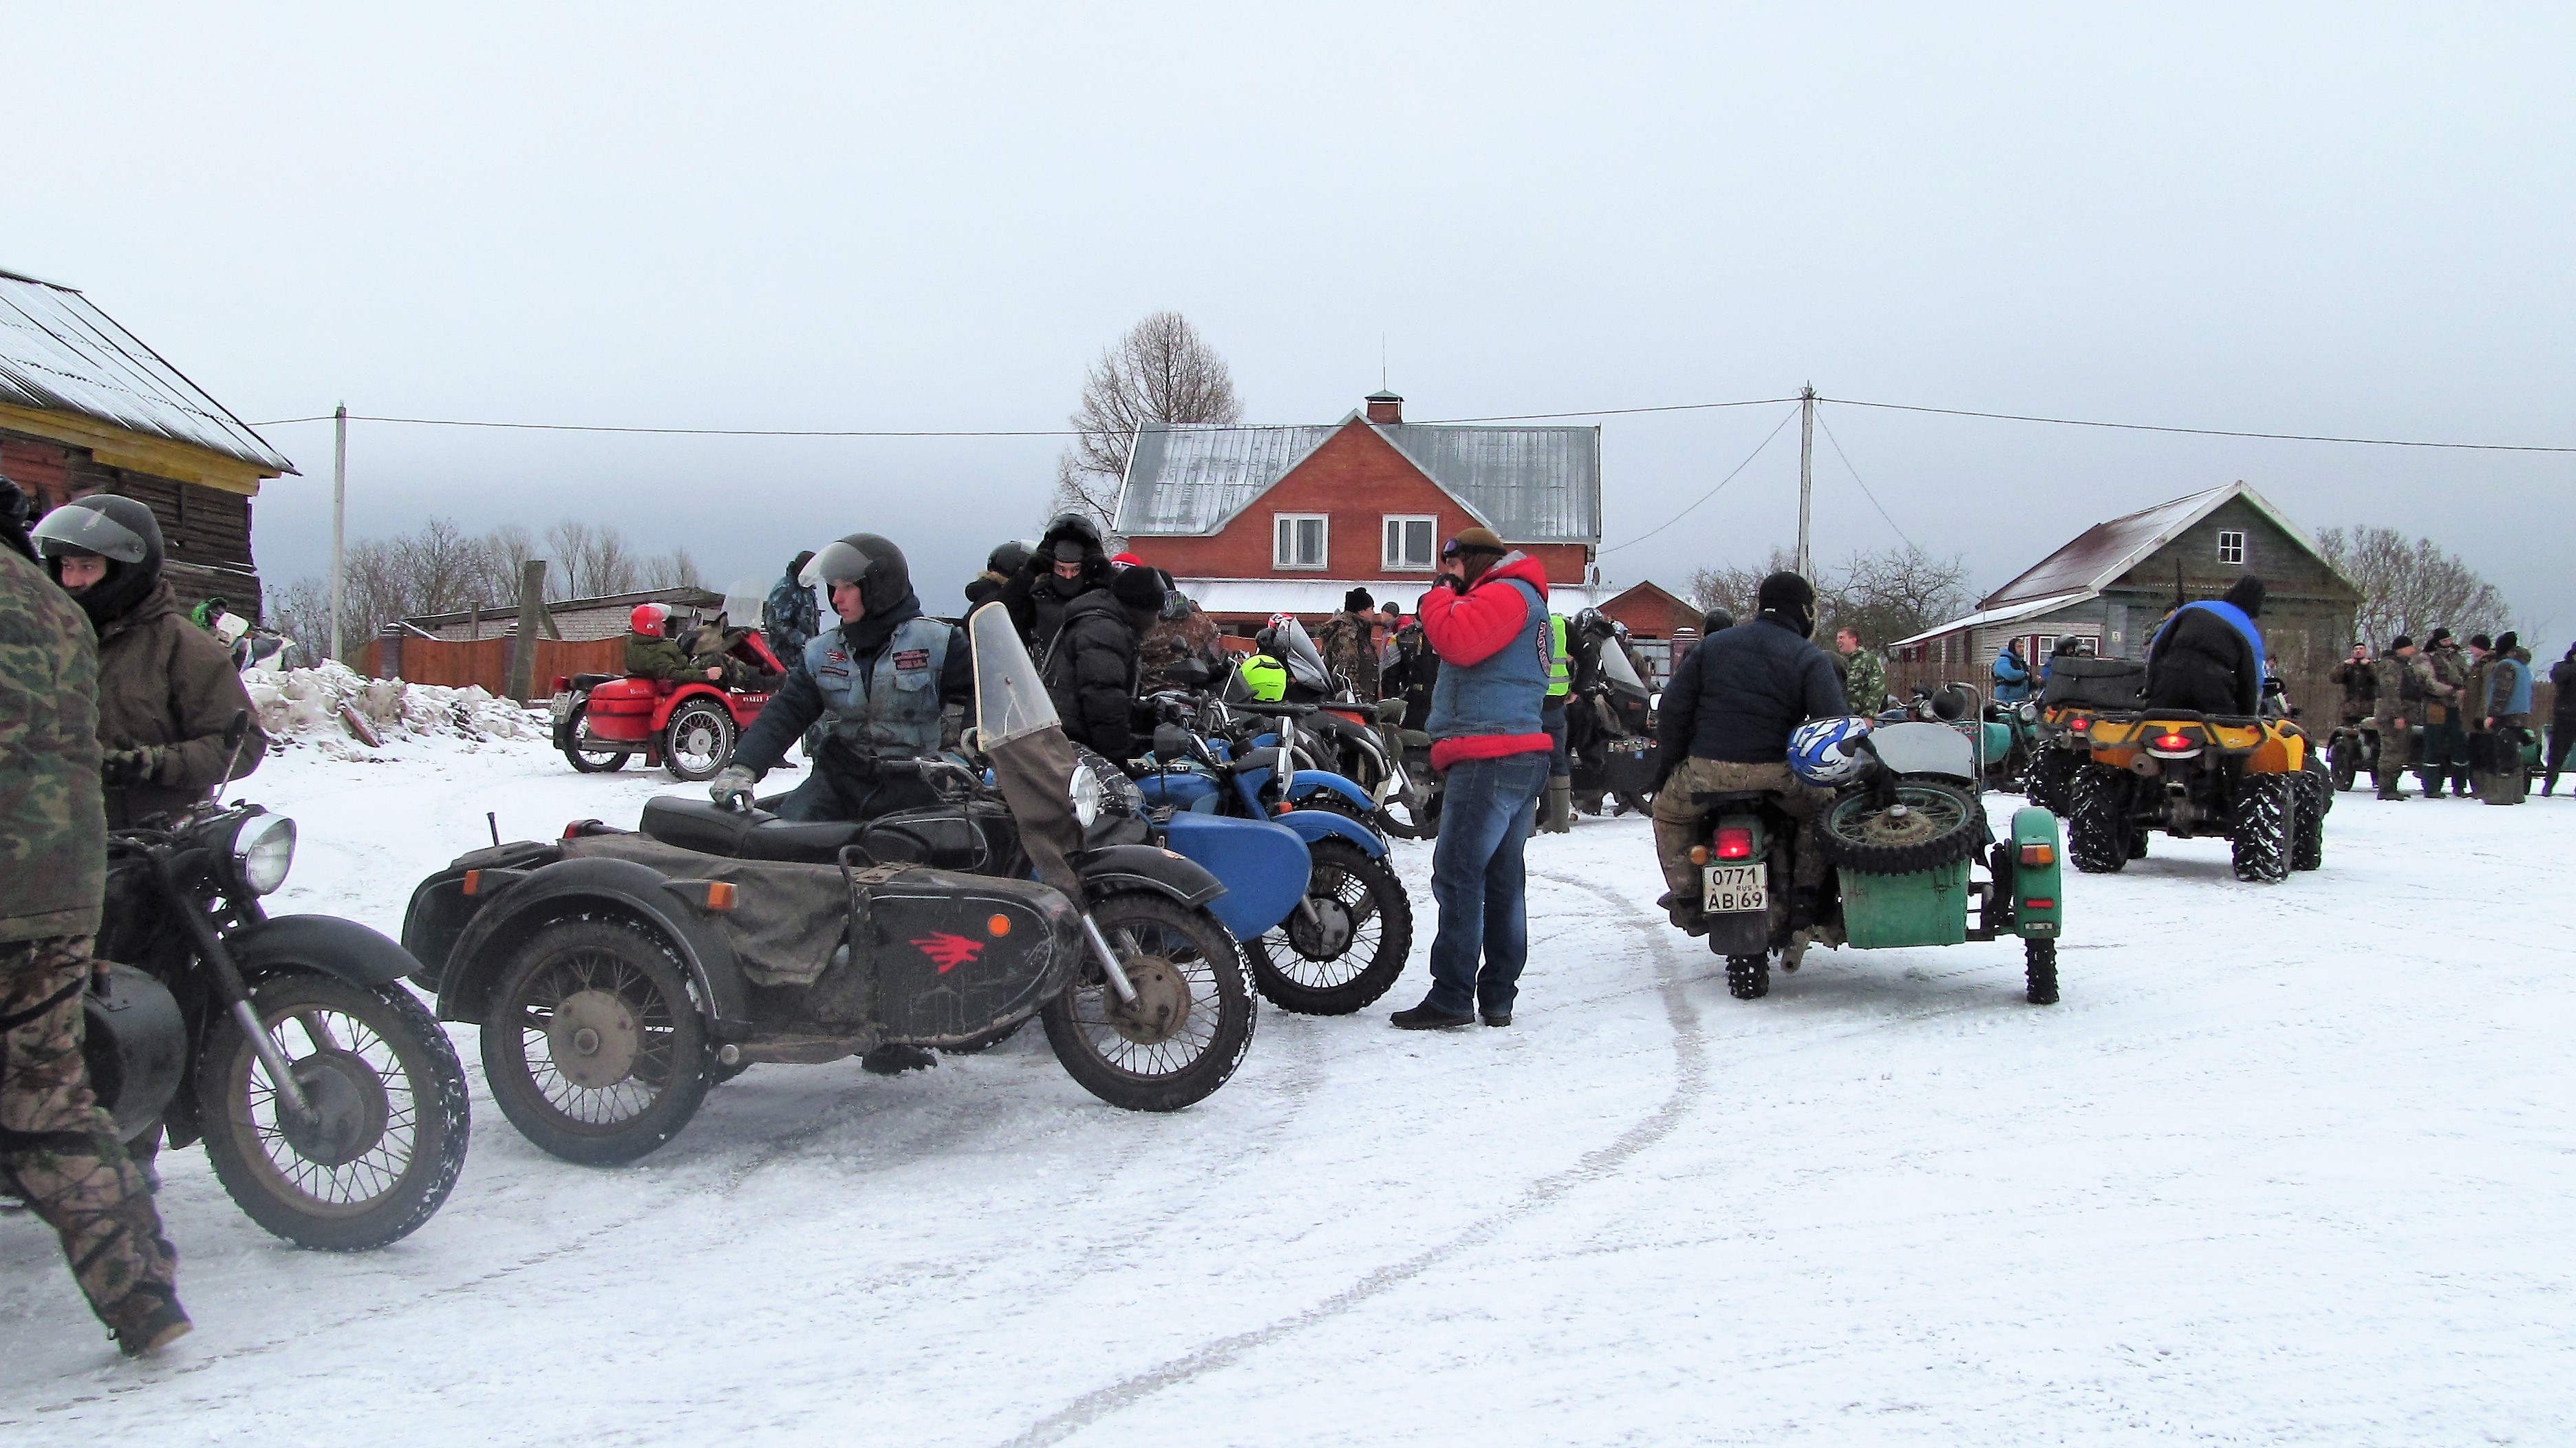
{"points": [[263, 848], [1088, 796]]}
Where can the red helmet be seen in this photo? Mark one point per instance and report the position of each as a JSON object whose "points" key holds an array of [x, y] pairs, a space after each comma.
{"points": [[648, 618]]}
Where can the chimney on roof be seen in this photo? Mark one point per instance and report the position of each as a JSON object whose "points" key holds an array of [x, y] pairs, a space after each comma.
{"points": [[1385, 407]]}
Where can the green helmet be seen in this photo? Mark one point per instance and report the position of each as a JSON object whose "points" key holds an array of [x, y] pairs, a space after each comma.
{"points": [[1264, 677]]}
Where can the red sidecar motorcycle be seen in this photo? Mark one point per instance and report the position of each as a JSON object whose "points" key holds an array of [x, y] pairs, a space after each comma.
{"points": [[688, 728]]}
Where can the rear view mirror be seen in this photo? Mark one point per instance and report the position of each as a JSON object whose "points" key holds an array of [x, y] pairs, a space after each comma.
{"points": [[1171, 743], [1192, 672]]}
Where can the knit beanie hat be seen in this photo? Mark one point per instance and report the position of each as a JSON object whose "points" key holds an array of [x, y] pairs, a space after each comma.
{"points": [[2507, 642], [2400, 642], [1357, 601]]}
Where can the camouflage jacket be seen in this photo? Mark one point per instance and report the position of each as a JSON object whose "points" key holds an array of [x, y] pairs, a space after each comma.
{"points": [[165, 683], [1864, 681], [53, 824], [1171, 640], [651, 657], [2359, 681], [1350, 652], [2403, 685]]}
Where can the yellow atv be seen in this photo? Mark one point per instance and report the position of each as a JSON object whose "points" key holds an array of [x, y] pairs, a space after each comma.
{"points": [[2253, 780]]}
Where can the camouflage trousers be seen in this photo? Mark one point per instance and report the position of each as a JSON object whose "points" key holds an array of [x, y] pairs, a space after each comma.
{"points": [[58, 1147], [1677, 817], [2396, 741]]}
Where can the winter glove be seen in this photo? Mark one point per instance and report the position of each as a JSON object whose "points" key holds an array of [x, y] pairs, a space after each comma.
{"points": [[731, 787], [125, 768]]}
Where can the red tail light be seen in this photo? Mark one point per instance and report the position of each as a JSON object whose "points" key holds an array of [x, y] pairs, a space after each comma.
{"points": [[2079, 724], [1735, 842], [2172, 741]]}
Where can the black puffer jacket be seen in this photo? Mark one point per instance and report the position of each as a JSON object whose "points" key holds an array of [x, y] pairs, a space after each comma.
{"points": [[2202, 663], [1737, 696], [1037, 598], [1089, 665]]}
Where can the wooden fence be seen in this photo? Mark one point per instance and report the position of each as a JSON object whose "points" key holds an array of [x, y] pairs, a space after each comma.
{"points": [[487, 661]]}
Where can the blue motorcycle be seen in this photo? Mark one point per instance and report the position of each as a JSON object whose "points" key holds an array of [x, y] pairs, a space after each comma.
{"points": [[1341, 942]]}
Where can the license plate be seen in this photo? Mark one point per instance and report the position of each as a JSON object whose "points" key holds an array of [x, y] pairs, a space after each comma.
{"points": [[562, 707], [1732, 889]]}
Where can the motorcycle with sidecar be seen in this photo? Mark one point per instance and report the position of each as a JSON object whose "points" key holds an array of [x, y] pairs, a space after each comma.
{"points": [[688, 726], [1901, 841], [617, 974]]}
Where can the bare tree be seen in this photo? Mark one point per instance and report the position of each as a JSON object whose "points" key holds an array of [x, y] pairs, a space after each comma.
{"points": [[1161, 371], [505, 551], [1732, 586], [440, 568], [2411, 587], [1882, 596]]}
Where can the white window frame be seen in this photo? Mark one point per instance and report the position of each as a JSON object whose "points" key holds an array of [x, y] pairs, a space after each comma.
{"points": [[2226, 536], [1281, 531], [1387, 535]]}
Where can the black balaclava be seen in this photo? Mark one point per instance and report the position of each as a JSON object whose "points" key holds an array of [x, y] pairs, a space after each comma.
{"points": [[1792, 599], [128, 582], [14, 513]]}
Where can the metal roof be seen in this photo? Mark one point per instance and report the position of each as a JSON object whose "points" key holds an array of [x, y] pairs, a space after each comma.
{"points": [[1324, 596], [2006, 614], [1528, 484], [2103, 552], [58, 353]]}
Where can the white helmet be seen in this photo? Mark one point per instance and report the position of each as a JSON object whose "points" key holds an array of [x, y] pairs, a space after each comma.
{"points": [[1826, 751]]}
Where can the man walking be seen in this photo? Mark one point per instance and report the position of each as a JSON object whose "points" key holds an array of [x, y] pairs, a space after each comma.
{"points": [[58, 1148], [1487, 620]]}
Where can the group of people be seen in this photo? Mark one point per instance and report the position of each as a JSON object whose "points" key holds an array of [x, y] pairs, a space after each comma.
{"points": [[2472, 708], [114, 713]]}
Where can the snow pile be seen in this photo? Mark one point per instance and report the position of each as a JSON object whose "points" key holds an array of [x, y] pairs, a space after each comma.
{"points": [[337, 708]]}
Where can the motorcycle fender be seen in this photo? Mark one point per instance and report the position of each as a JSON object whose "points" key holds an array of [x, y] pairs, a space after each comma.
{"points": [[1315, 824], [2034, 884], [323, 943], [567, 887], [1147, 867], [1308, 781]]}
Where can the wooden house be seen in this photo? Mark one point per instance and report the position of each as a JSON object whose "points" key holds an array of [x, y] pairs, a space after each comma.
{"points": [[86, 407], [1252, 521], [2114, 583]]}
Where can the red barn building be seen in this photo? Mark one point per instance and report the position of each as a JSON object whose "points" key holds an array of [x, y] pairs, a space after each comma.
{"points": [[1252, 521]]}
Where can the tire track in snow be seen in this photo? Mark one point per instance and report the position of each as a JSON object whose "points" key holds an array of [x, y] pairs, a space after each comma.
{"points": [[1690, 1078]]}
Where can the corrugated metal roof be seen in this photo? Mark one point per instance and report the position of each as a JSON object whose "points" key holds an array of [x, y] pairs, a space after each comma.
{"points": [[2104, 551], [1321, 596], [59, 353], [2006, 614], [1528, 484]]}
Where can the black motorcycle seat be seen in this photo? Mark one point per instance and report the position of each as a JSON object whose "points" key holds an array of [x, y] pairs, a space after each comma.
{"points": [[586, 682], [711, 829]]}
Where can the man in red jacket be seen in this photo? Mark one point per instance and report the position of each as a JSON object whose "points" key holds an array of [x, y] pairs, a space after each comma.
{"points": [[1486, 618]]}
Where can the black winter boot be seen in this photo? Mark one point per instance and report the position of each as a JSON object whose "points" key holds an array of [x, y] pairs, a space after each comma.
{"points": [[893, 1059], [1428, 1017]]}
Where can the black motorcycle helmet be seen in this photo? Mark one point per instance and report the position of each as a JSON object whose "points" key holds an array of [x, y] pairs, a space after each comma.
{"points": [[120, 530], [1008, 559], [873, 563], [1593, 623]]}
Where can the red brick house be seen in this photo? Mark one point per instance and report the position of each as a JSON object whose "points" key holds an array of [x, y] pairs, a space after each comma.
{"points": [[1252, 521]]}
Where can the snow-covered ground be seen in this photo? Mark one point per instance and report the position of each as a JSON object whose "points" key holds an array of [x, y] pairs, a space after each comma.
{"points": [[2289, 1164]]}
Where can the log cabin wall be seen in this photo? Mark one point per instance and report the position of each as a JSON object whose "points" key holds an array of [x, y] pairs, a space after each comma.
{"points": [[205, 532]]}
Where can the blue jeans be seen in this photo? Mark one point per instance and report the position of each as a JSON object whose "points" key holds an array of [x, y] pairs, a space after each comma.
{"points": [[1477, 877]]}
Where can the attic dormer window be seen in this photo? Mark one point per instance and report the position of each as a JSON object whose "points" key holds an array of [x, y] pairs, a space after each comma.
{"points": [[2231, 547]]}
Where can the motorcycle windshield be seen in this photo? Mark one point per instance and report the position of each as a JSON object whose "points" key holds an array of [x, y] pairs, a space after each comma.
{"points": [[1621, 674], [1290, 645], [1010, 700]]}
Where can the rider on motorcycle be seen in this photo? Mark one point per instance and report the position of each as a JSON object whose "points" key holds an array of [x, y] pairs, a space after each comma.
{"points": [[1724, 727], [877, 683]]}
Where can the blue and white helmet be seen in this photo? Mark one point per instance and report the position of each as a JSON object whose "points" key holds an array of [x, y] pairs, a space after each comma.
{"points": [[1821, 750]]}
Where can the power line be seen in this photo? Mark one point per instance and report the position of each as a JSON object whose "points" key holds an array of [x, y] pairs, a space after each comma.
{"points": [[1713, 492], [1864, 486], [2205, 431], [977, 432]]}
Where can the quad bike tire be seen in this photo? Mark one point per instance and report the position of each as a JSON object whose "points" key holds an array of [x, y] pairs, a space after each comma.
{"points": [[2039, 970], [2346, 766], [2052, 775], [2266, 810], [613, 965], [2308, 830], [2097, 820], [1354, 891], [589, 761], [1748, 977], [1180, 945], [1940, 825]]}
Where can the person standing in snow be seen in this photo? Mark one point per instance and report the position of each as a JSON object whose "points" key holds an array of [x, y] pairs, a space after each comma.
{"points": [[2358, 680], [58, 1149], [2404, 686], [1864, 674], [1486, 617], [1347, 647], [2562, 717], [2445, 755], [791, 615], [2012, 676]]}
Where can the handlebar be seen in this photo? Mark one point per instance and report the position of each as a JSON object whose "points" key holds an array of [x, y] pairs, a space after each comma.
{"points": [[1275, 711]]}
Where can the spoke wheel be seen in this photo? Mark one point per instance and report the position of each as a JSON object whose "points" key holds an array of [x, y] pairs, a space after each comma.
{"points": [[1923, 826], [589, 761], [1352, 949], [1191, 1021], [594, 1047], [698, 740], [387, 1131]]}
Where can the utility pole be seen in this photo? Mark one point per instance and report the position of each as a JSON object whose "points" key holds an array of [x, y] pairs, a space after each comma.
{"points": [[340, 513], [1806, 476]]}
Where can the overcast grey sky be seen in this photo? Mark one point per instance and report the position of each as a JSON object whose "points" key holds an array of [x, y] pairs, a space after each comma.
{"points": [[2347, 219]]}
